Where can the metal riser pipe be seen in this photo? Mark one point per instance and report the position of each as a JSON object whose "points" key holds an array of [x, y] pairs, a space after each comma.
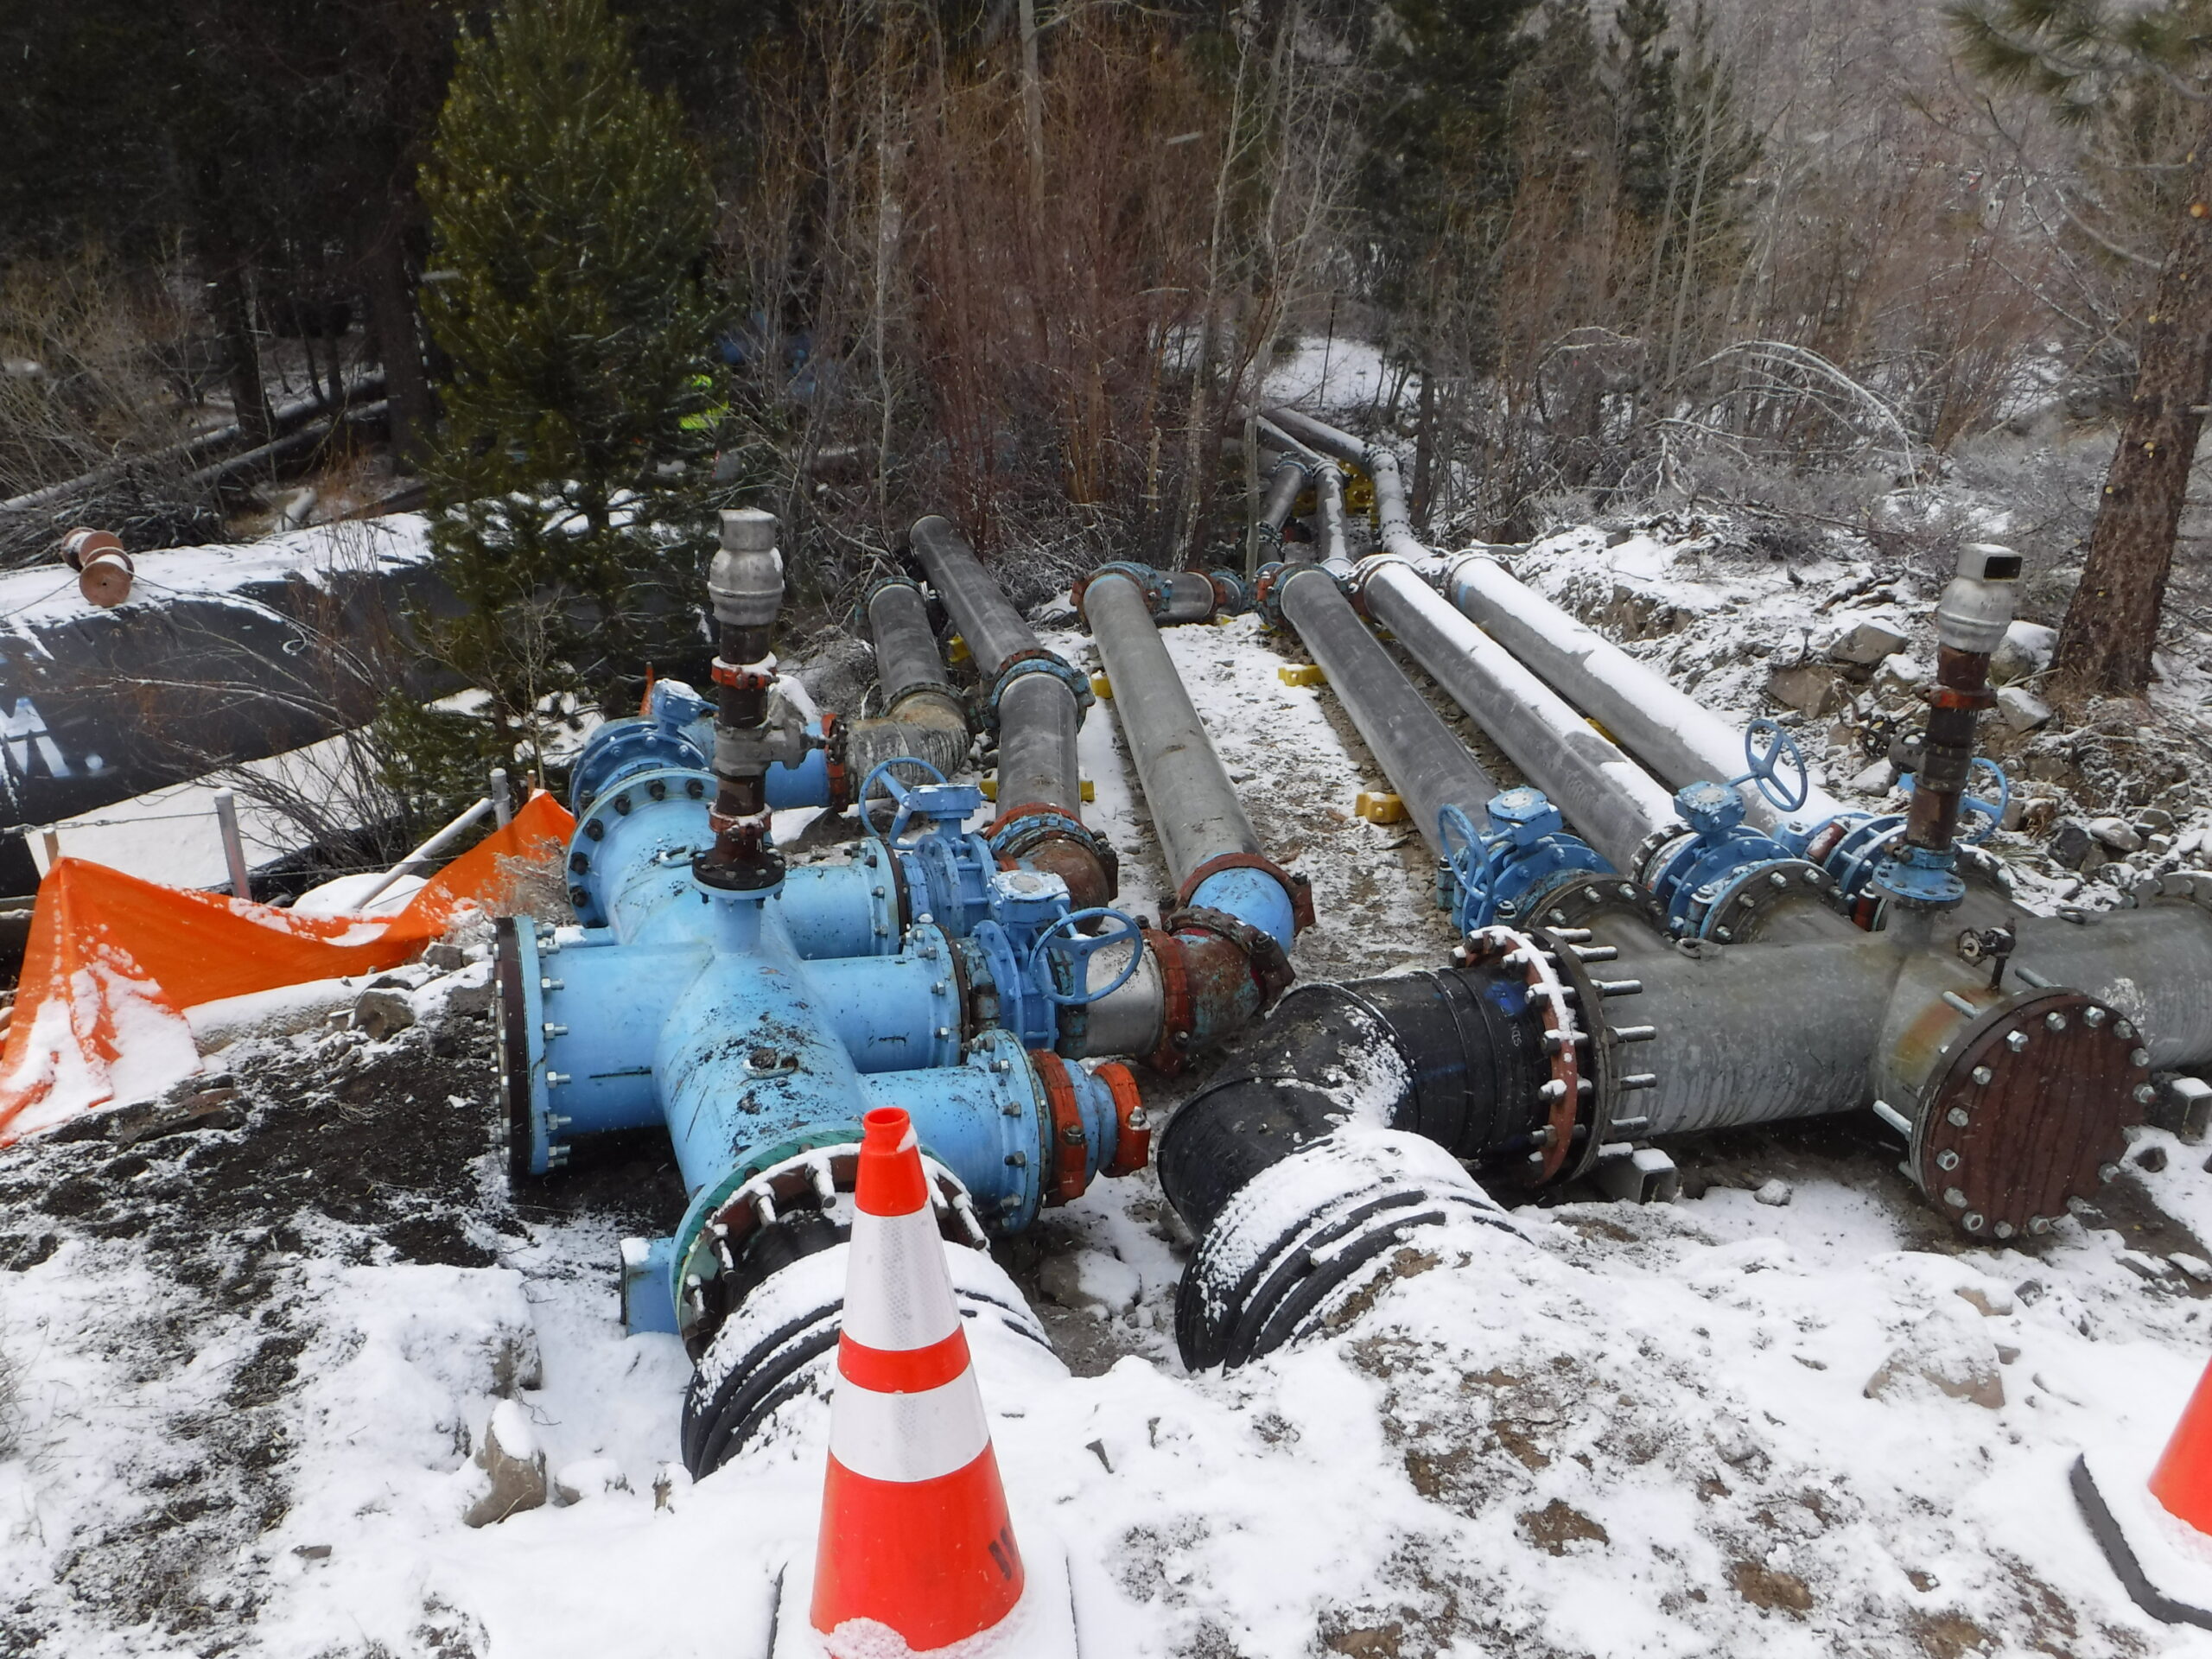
{"points": [[1427, 766], [1612, 803]]}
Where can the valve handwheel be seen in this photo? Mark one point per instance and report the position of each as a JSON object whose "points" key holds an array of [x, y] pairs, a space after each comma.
{"points": [[881, 771], [1992, 811], [1466, 850], [1767, 761], [1077, 950]]}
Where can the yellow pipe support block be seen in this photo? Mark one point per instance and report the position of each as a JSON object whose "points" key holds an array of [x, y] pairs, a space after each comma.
{"points": [[1302, 674], [1101, 687], [1379, 806], [955, 650]]}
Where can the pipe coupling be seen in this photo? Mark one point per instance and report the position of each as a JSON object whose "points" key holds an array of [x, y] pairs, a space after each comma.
{"points": [[1036, 661]]}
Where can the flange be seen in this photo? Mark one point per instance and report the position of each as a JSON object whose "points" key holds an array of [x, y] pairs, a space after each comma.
{"points": [[2029, 1113]]}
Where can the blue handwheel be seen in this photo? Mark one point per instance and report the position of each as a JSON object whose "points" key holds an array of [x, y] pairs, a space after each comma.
{"points": [[1077, 950], [1993, 812], [881, 771], [1766, 764]]}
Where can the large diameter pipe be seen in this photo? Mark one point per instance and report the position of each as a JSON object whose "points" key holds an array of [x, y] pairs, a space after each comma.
{"points": [[995, 631], [1037, 722], [1611, 801], [1669, 730], [923, 717], [1429, 765], [1393, 521], [1194, 807]]}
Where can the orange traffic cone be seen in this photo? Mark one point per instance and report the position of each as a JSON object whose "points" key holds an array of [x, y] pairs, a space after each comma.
{"points": [[2153, 1530], [915, 1536], [2182, 1480]]}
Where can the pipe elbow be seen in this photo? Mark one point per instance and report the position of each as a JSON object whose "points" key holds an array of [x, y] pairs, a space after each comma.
{"points": [[926, 724]]}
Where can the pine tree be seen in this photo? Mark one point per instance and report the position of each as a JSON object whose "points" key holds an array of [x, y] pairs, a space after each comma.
{"points": [[570, 291], [2084, 56], [1646, 104]]}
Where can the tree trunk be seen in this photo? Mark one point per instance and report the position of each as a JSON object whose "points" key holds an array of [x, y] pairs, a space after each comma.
{"points": [[2111, 626], [233, 314], [382, 257], [1424, 445]]}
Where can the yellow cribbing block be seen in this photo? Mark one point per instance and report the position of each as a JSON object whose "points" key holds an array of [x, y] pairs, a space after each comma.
{"points": [[1222, 620], [990, 788], [1601, 731], [1101, 687], [1379, 806], [1090, 790], [955, 650], [1302, 674]]}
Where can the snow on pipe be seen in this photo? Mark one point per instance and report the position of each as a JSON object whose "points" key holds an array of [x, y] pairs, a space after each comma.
{"points": [[1035, 702], [1669, 730], [1394, 525], [1681, 739], [1612, 802]]}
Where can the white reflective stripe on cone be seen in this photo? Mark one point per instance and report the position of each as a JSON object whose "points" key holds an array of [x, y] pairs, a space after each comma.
{"points": [[908, 1437], [898, 1290]]}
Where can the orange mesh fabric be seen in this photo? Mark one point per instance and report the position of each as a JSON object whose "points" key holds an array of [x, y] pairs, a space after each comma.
{"points": [[113, 961]]}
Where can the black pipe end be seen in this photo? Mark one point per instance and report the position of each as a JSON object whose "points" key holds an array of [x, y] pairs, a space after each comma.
{"points": [[1289, 1256]]}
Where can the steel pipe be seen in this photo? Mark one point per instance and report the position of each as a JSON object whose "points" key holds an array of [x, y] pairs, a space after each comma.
{"points": [[1611, 801], [1194, 807], [922, 718], [995, 631], [1427, 764]]}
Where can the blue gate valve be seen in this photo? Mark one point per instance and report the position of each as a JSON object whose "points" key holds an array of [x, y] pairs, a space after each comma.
{"points": [[1074, 952], [1695, 876], [1505, 870]]}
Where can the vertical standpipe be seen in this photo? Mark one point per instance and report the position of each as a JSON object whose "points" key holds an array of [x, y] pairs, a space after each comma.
{"points": [[1194, 806]]}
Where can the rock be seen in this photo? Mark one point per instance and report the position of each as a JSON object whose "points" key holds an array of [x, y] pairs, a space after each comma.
{"points": [[2195, 1265], [445, 957], [469, 999], [1812, 689], [382, 1012], [1991, 1301], [2155, 821], [2071, 843], [1899, 677], [2117, 834], [1877, 779], [1089, 1281], [1772, 1193], [2021, 710], [587, 1479], [1946, 1353], [1866, 639], [2026, 648], [514, 1465], [2152, 1158]]}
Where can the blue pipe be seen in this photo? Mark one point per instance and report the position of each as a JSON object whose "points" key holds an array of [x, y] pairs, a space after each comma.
{"points": [[1254, 898]]}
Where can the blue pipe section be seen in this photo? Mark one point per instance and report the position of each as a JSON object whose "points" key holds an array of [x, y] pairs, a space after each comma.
{"points": [[1254, 898]]}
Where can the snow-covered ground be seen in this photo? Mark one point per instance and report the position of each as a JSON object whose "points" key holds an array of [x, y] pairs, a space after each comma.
{"points": [[248, 1357]]}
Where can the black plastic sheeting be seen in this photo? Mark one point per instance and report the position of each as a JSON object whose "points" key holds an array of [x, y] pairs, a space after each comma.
{"points": [[97, 706]]}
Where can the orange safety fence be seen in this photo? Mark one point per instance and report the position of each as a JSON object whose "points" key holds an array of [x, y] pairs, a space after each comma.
{"points": [[112, 963]]}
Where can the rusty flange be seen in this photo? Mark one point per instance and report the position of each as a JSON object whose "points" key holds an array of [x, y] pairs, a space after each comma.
{"points": [[2028, 1112], [1551, 1000], [1071, 1147]]}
